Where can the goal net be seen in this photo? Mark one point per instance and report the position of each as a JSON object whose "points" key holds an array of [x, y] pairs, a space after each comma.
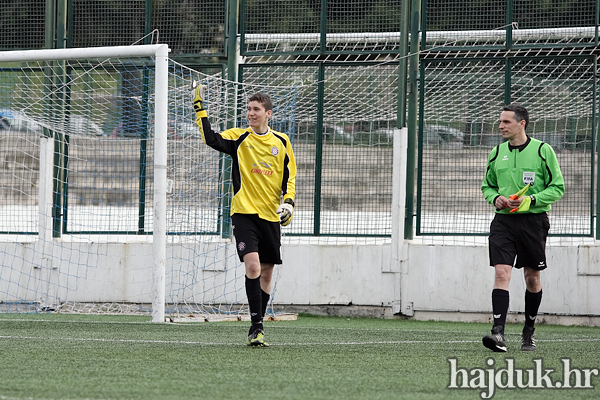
{"points": [[108, 204]]}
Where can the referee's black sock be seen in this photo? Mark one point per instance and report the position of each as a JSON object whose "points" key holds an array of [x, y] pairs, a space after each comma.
{"points": [[254, 293], [265, 301], [532, 305], [500, 301]]}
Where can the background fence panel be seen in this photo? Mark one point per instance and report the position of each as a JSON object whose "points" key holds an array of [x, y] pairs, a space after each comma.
{"points": [[341, 57], [22, 25], [461, 103]]}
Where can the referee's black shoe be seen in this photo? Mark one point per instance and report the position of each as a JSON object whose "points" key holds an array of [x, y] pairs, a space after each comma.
{"points": [[495, 341], [527, 339]]}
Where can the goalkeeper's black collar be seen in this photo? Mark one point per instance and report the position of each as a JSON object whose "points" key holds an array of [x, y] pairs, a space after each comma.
{"points": [[519, 147]]}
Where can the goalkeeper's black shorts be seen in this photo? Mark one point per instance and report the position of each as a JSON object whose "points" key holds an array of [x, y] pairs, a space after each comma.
{"points": [[254, 234], [519, 240]]}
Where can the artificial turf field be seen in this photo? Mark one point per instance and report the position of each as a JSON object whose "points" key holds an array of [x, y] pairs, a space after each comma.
{"points": [[53, 356]]}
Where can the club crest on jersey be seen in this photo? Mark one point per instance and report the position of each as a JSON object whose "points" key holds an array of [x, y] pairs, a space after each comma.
{"points": [[274, 150]]}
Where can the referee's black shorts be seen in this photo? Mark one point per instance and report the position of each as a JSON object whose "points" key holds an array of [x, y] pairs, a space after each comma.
{"points": [[254, 234], [520, 236]]}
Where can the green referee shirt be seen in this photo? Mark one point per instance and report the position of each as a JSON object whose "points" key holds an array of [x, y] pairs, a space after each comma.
{"points": [[510, 168]]}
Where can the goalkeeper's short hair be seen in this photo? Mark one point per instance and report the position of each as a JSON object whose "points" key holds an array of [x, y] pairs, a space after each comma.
{"points": [[263, 99]]}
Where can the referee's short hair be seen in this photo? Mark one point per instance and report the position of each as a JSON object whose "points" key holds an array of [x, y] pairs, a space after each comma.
{"points": [[263, 99], [521, 113]]}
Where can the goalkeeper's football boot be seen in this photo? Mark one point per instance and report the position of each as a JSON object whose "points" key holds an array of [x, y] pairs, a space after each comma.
{"points": [[527, 339], [495, 341], [257, 339]]}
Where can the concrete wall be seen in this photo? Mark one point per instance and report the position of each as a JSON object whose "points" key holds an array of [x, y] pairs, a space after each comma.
{"points": [[441, 282], [458, 278]]}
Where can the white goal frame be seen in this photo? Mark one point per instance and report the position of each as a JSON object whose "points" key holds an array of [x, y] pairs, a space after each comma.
{"points": [[160, 53]]}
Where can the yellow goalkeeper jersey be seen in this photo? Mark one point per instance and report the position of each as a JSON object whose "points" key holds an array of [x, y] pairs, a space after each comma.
{"points": [[263, 168]]}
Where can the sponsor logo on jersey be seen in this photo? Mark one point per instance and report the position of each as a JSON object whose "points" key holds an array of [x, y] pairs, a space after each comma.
{"points": [[262, 168], [259, 171]]}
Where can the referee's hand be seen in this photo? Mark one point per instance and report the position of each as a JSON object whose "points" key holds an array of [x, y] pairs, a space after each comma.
{"points": [[501, 202], [514, 203]]}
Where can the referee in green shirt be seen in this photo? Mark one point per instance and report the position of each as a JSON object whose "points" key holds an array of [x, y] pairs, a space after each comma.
{"points": [[520, 226]]}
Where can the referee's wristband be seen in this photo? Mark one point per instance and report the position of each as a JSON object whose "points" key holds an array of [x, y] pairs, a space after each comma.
{"points": [[532, 200]]}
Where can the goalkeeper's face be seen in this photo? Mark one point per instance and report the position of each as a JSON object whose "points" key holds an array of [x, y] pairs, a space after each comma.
{"points": [[258, 116]]}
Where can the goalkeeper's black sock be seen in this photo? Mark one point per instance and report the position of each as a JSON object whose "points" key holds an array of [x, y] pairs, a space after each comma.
{"points": [[500, 301], [265, 301], [254, 293], [532, 305]]}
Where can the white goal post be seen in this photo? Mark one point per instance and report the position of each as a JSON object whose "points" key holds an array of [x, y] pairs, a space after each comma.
{"points": [[110, 201], [159, 53]]}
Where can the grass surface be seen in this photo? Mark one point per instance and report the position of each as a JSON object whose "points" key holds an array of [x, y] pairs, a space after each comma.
{"points": [[50, 356]]}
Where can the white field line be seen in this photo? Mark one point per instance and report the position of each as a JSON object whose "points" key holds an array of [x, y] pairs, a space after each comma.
{"points": [[188, 342], [273, 325]]}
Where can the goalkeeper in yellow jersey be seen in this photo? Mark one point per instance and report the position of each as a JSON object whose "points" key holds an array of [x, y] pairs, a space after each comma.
{"points": [[264, 180]]}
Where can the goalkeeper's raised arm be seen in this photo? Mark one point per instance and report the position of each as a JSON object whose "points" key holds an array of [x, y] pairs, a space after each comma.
{"points": [[263, 175], [210, 137]]}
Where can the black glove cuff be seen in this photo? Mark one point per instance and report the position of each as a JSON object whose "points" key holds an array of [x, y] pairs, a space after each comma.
{"points": [[290, 201]]}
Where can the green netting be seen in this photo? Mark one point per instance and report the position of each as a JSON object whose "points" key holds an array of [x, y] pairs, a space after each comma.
{"points": [[469, 70], [464, 15], [561, 22], [463, 23], [460, 99], [468, 24], [280, 26], [194, 27], [554, 14], [344, 164], [560, 95], [461, 103], [294, 27], [22, 25], [363, 26], [107, 23], [190, 27]]}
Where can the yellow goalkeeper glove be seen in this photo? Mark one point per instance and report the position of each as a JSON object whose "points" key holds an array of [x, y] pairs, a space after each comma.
{"points": [[198, 94], [286, 212]]}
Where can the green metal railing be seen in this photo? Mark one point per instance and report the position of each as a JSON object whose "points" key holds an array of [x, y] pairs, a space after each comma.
{"points": [[448, 67]]}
